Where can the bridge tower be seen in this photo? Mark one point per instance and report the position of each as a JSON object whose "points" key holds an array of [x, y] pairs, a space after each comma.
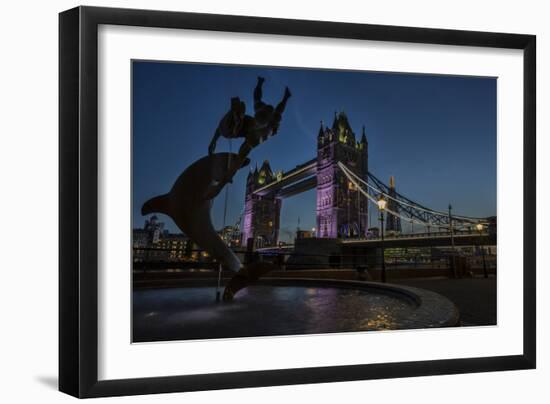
{"points": [[342, 211], [393, 224], [261, 213]]}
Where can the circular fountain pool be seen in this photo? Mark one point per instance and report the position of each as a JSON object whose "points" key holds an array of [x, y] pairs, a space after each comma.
{"points": [[285, 307]]}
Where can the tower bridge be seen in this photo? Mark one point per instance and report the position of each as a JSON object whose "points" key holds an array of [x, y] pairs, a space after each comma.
{"points": [[344, 186], [265, 189]]}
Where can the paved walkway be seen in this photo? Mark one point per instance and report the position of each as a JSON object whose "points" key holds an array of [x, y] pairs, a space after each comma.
{"points": [[476, 298]]}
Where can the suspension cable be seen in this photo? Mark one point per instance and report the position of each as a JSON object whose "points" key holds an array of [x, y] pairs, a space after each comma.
{"points": [[390, 211], [349, 173]]}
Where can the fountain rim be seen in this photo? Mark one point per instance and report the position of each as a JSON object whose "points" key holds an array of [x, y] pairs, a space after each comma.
{"points": [[432, 309]]}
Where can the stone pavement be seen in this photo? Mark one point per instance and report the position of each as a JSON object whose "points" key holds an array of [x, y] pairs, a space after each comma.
{"points": [[476, 298]]}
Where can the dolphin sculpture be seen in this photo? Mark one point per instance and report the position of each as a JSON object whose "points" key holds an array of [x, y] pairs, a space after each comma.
{"points": [[189, 202], [247, 275]]}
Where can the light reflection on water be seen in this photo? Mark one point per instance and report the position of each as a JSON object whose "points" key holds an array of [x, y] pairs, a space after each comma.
{"points": [[192, 313]]}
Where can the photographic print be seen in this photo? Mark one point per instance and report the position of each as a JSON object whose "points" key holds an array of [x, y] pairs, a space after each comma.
{"points": [[272, 201], [299, 188]]}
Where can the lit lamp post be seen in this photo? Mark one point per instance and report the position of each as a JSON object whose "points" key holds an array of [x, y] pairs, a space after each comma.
{"points": [[479, 228], [381, 207]]}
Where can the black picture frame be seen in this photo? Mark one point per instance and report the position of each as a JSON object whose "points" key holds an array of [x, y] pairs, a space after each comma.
{"points": [[78, 206]]}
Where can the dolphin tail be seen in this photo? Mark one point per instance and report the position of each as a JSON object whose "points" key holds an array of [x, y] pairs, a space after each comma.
{"points": [[158, 204]]}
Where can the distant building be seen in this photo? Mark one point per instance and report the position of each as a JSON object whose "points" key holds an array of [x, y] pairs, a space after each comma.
{"points": [[231, 235], [143, 240], [393, 223], [154, 243], [154, 228], [140, 238], [176, 247], [300, 234]]}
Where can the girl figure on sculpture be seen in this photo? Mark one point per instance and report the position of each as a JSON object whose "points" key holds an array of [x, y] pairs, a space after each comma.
{"points": [[255, 130]]}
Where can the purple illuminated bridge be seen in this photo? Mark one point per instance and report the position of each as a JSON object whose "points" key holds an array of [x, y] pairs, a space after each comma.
{"points": [[340, 174]]}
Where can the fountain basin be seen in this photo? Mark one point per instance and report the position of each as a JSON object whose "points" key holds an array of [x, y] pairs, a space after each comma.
{"points": [[272, 307]]}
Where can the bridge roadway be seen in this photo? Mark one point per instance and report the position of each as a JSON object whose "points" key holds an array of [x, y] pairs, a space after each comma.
{"points": [[300, 179], [433, 240], [402, 241]]}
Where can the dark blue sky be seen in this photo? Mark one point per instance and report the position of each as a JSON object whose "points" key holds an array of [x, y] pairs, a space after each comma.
{"points": [[435, 134]]}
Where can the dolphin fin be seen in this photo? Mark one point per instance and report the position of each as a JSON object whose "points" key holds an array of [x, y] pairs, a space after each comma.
{"points": [[158, 204]]}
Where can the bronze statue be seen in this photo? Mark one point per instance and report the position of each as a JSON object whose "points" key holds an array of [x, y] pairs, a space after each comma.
{"points": [[189, 201], [254, 130], [190, 210]]}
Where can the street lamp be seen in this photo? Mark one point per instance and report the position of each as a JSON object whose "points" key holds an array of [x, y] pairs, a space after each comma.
{"points": [[479, 228], [381, 207]]}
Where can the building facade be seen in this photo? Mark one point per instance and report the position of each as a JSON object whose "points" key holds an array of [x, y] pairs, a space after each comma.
{"points": [[342, 211], [261, 213], [231, 235], [146, 239], [153, 243], [175, 247], [154, 228]]}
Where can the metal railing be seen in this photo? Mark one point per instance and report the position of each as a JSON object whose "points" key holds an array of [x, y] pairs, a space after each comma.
{"points": [[286, 260], [434, 234]]}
